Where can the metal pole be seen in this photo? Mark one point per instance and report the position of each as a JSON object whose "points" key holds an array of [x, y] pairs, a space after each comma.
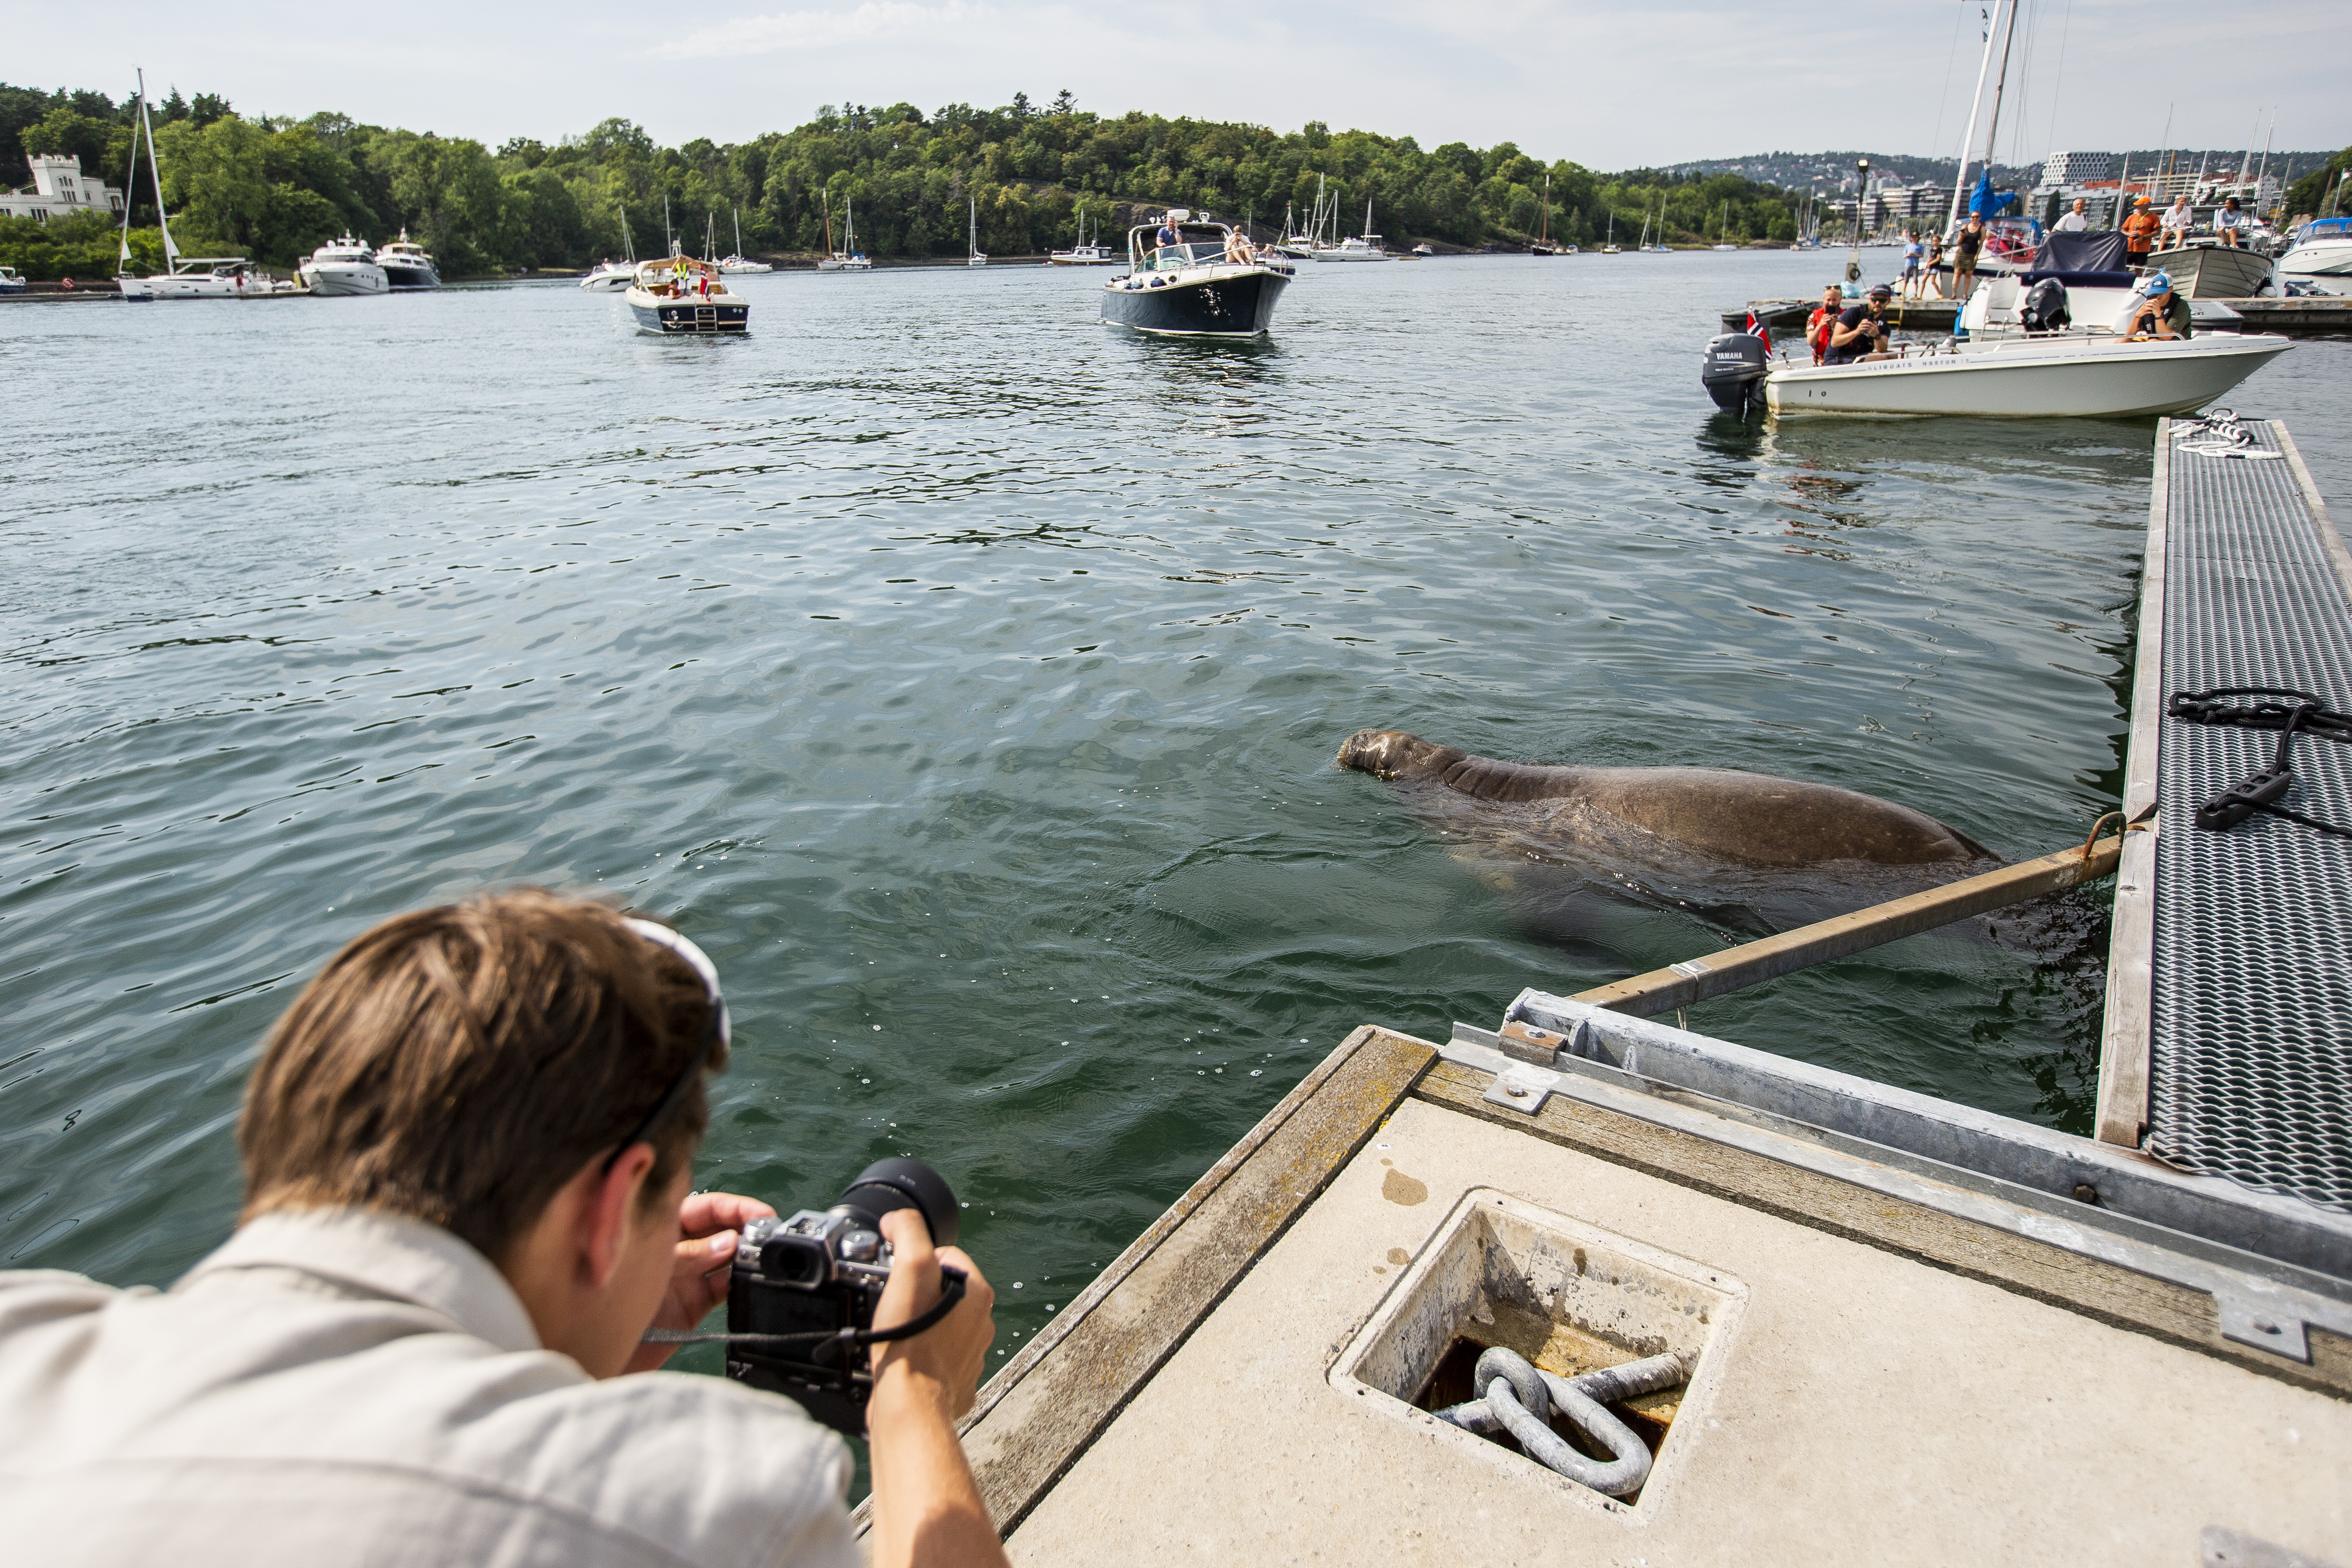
{"points": [[1968, 141], [2001, 85]]}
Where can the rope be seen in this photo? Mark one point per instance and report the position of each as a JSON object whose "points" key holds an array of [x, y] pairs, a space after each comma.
{"points": [[2305, 714], [2220, 433]]}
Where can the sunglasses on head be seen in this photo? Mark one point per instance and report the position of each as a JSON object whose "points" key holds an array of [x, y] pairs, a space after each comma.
{"points": [[714, 1034]]}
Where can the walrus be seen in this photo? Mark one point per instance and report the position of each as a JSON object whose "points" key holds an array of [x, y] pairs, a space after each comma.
{"points": [[1720, 814]]}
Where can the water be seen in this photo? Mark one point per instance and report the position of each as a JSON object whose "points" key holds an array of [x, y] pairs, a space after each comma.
{"points": [[966, 676]]}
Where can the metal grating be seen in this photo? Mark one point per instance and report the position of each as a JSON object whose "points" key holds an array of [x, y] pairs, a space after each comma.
{"points": [[2250, 1038]]}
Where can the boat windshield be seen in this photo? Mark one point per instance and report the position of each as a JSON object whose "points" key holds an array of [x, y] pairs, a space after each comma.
{"points": [[2320, 229], [1203, 242]]}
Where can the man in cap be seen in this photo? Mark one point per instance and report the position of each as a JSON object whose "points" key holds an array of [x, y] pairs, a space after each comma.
{"points": [[1861, 329], [2139, 232], [2162, 315]]}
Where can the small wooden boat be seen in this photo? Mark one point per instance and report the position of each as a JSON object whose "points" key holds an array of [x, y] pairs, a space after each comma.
{"points": [[682, 295]]}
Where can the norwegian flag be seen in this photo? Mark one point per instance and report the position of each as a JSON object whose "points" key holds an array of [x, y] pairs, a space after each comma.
{"points": [[1758, 328]]}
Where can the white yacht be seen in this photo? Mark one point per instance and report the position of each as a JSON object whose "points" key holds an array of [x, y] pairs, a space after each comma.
{"points": [[406, 266], [346, 266], [1366, 248], [2320, 256], [184, 277], [977, 257], [611, 277]]}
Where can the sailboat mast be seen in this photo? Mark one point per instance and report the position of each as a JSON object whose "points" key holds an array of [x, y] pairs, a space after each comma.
{"points": [[170, 251], [130, 187], [1545, 237], [734, 213], [1968, 141], [2000, 84]]}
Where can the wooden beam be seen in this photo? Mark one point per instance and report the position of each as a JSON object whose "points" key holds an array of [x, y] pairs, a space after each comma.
{"points": [[2122, 1110], [1681, 984]]}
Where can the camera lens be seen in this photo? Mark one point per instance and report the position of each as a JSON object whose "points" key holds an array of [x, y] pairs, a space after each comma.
{"points": [[889, 1184]]}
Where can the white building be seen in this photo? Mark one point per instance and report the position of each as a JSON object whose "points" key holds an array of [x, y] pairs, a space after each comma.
{"points": [[2061, 170], [61, 190]]}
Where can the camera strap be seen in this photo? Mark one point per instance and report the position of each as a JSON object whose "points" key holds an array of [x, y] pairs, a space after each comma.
{"points": [[952, 1286]]}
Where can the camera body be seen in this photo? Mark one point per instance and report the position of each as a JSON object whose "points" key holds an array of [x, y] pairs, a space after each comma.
{"points": [[820, 1272]]}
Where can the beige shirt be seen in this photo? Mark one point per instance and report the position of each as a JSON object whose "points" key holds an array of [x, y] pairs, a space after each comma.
{"points": [[342, 1386]]}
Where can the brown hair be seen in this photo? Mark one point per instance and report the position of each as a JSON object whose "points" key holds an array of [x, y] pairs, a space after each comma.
{"points": [[460, 1064]]}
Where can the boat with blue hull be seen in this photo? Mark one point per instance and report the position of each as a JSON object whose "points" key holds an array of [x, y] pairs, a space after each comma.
{"points": [[680, 295], [1209, 283]]}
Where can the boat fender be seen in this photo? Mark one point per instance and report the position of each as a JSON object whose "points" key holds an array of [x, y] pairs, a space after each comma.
{"points": [[66, 284]]}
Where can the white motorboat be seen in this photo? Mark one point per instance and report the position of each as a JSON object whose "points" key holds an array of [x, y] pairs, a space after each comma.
{"points": [[850, 259], [613, 276], [976, 257], [2320, 256], [683, 295], [735, 264], [344, 268], [11, 280], [407, 266]]}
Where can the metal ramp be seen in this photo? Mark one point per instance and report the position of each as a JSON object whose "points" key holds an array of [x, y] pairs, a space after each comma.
{"points": [[2229, 1038]]}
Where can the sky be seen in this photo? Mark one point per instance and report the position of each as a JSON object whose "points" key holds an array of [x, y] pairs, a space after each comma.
{"points": [[1610, 85]]}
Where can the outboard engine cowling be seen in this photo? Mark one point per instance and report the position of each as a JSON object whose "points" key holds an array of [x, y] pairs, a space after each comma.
{"points": [[1734, 372], [2045, 308]]}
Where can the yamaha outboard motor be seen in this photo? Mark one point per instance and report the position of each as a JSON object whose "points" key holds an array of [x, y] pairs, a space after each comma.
{"points": [[2044, 309], [1734, 372]]}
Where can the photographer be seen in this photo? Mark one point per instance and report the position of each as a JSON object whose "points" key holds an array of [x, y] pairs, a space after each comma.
{"points": [[467, 1151], [1861, 329]]}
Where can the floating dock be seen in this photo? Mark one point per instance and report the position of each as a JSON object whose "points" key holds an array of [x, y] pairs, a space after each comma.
{"points": [[1870, 1326]]}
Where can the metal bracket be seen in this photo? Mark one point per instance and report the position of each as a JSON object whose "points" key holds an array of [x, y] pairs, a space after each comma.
{"points": [[2263, 1325], [1522, 1086]]}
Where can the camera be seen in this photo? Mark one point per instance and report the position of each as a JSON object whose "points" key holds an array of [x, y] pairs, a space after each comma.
{"points": [[800, 1299]]}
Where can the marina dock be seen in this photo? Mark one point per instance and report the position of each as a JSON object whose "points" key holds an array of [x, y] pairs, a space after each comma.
{"points": [[1899, 1328]]}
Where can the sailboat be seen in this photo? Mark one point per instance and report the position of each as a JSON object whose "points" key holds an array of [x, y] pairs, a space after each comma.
{"points": [[1543, 244], [1085, 252], [735, 263], [1642, 246], [1609, 245], [977, 257], [611, 277], [1301, 244], [846, 259], [1661, 248], [190, 276], [1724, 230], [1363, 247]]}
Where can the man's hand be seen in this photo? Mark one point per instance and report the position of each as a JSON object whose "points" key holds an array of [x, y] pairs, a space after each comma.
{"points": [[926, 1505], [707, 1225], [944, 1360]]}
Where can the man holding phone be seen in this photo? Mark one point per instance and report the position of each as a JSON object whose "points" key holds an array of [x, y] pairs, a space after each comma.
{"points": [[1861, 329]]}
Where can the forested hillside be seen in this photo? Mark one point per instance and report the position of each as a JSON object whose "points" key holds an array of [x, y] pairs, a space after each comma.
{"points": [[275, 188]]}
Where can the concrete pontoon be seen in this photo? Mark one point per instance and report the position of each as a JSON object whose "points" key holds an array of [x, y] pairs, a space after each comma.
{"points": [[1900, 1330]]}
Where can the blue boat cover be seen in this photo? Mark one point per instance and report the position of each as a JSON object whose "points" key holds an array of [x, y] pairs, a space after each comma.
{"points": [[1985, 201], [2319, 227]]}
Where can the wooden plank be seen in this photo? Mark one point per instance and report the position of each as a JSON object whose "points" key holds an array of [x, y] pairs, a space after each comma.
{"points": [[2121, 1114], [2097, 1290], [2329, 538], [1696, 979], [1035, 1418]]}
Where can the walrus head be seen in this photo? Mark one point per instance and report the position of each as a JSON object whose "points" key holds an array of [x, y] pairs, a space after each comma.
{"points": [[1393, 755]]}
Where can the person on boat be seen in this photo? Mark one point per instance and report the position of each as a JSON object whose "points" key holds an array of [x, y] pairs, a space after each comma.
{"points": [[2232, 222], [1238, 249], [1861, 330], [2163, 315], [1931, 283], [2179, 219], [468, 1153], [1169, 240], [1966, 247], [2139, 232], [1914, 252], [2077, 219], [1824, 317]]}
